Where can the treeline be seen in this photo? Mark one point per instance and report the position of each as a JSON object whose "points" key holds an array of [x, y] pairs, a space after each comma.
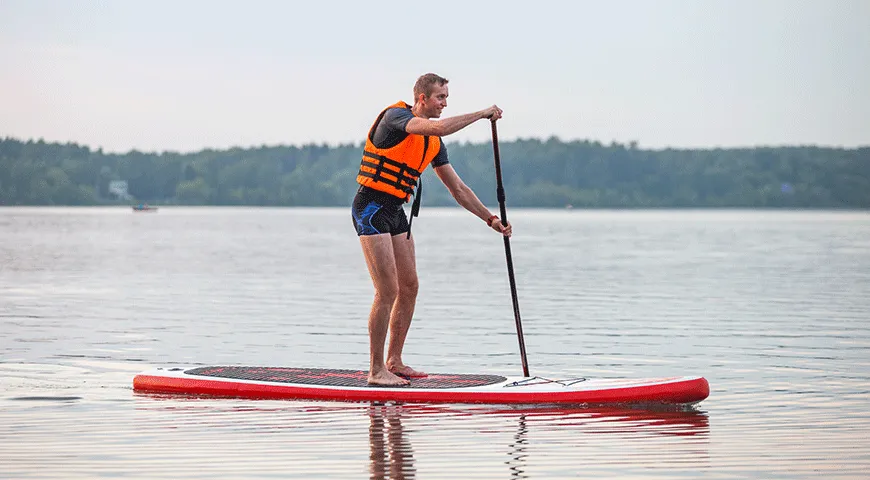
{"points": [[550, 173]]}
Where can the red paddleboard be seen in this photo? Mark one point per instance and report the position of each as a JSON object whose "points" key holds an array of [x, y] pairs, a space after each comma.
{"points": [[351, 385]]}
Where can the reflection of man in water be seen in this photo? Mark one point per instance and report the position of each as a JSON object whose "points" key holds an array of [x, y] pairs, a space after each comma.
{"points": [[391, 457]]}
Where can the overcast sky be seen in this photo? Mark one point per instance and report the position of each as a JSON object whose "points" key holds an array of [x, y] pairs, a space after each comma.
{"points": [[185, 75]]}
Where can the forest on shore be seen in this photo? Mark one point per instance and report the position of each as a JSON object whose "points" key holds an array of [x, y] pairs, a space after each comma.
{"points": [[547, 173]]}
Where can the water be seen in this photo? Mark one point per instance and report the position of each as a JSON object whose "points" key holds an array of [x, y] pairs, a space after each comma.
{"points": [[771, 307]]}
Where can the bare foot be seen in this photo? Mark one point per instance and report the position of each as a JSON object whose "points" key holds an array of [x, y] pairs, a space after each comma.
{"points": [[407, 372], [386, 379]]}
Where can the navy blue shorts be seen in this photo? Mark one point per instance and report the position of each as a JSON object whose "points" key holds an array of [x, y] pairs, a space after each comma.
{"points": [[377, 212]]}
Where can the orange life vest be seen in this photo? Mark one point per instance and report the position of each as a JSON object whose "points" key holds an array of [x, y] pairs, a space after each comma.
{"points": [[396, 170]]}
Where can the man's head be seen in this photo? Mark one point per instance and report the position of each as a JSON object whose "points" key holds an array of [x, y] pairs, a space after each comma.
{"points": [[430, 95]]}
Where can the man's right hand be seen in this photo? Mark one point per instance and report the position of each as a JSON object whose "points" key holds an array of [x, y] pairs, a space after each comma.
{"points": [[493, 113]]}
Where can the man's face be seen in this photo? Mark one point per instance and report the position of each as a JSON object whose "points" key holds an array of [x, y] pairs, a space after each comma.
{"points": [[436, 102]]}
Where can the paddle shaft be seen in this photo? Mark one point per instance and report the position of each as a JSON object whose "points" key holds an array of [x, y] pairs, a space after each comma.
{"points": [[507, 249]]}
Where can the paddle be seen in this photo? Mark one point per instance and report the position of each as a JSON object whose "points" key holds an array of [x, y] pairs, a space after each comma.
{"points": [[507, 249]]}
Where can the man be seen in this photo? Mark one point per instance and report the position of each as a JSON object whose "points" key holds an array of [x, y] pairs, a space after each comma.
{"points": [[401, 143]]}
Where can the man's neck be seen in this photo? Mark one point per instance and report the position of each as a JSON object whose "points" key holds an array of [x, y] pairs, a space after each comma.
{"points": [[417, 111]]}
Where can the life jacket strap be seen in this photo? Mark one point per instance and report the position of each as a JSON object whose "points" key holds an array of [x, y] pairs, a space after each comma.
{"points": [[406, 177], [415, 207]]}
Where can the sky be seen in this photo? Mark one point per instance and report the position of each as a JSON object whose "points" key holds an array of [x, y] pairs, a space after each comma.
{"points": [[172, 75]]}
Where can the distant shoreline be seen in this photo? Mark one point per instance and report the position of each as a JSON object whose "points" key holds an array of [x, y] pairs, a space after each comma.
{"points": [[537, 174]]}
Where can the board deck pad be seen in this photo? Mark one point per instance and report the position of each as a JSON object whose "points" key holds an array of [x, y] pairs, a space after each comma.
{"points": [[338, 378]]}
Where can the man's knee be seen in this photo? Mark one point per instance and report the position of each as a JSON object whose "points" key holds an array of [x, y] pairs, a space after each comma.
{"points": [[386, 294], [409, 287]]}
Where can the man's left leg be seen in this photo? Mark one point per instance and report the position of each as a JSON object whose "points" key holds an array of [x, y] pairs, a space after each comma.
{"points": [[403, 308]]}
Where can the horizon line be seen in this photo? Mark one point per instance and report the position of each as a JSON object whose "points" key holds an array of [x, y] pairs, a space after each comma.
{"points": [[631, 144]]}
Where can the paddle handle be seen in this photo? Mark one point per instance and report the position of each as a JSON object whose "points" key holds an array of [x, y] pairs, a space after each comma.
{"points": [[507, 249]]}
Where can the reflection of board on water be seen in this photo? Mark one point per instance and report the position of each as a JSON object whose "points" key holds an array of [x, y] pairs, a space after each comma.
{"points": [[404, 439], [391, 442], [351, 385]]}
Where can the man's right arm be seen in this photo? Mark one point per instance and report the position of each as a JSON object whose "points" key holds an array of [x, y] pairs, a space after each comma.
{"points": [[442, 128]]}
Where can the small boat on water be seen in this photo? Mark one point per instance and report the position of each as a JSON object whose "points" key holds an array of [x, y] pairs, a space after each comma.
{"points": [[144, 207]]}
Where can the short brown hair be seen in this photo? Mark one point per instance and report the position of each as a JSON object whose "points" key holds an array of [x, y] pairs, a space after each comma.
{"points": [[426, 82]]}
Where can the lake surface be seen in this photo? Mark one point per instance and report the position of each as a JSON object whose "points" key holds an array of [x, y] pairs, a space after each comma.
{"points": [[771, 307]]}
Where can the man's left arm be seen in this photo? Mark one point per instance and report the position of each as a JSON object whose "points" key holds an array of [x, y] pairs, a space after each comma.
{"points": [[465, 197]]}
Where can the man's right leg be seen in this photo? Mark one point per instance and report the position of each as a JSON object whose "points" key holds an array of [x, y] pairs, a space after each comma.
{"points": [[381, 261]]}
